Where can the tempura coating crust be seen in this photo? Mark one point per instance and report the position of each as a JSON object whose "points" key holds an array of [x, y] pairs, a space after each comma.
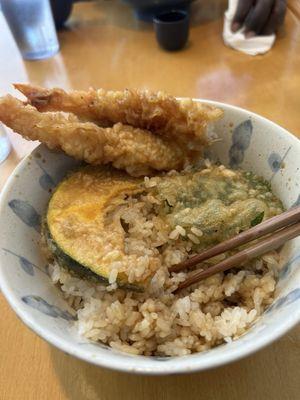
{"points": [[185, 121], [135, 150]]}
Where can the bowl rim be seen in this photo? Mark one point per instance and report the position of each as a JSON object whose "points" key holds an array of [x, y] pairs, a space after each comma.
{"points": [[177, 364]]}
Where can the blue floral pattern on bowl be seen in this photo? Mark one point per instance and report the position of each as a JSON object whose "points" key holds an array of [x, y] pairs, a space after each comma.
{"points": [[26, 213], [241, 138], [38, 303], [25, 264]]}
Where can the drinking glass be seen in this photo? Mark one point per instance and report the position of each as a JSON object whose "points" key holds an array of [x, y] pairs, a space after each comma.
{"points": [[4, 145], [31, 23]]}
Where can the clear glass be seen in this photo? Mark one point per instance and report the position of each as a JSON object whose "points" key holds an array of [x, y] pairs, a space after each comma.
{"points": [[31, 23], [4, 145]]}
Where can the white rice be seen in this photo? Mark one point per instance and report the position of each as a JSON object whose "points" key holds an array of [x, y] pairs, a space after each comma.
{"points": [[219, 309], [156, 322]]}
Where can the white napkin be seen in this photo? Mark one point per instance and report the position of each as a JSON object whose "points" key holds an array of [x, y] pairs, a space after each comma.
{"points": [[252, 46]]}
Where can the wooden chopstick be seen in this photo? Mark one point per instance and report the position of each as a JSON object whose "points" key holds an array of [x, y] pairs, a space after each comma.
{"points": [[258, 249], [270, 225]]}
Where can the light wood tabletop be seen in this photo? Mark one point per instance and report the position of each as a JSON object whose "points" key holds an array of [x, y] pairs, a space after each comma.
{"points": [[104, 46]]}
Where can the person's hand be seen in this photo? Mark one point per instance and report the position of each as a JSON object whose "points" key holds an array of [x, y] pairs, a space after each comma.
{"points": [[259, 17]]}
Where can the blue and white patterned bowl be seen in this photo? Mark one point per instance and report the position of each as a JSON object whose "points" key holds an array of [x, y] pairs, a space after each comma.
{"points": [[248, 141]]}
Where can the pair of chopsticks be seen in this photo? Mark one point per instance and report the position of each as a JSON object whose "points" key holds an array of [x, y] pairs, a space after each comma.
{"points": [[281, 228]]}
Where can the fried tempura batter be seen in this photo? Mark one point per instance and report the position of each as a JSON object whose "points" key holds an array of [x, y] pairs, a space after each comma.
{"points": [[184, 121], [135, 150]]}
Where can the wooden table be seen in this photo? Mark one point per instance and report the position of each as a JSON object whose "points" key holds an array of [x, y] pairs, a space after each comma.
{"points": [[104, 46]]}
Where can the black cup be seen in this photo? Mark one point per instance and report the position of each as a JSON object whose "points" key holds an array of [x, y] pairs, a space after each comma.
{"points": [[172, 29], [61, 10]]}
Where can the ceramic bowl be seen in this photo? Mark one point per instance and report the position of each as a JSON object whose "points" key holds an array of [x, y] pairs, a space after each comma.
{"points": [[249, 142]]}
